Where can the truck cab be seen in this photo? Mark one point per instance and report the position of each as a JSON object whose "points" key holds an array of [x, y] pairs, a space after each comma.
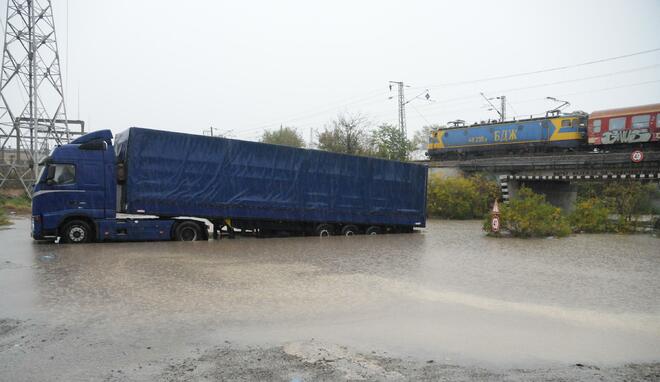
{"points": [[75, 199], [76, 188]]}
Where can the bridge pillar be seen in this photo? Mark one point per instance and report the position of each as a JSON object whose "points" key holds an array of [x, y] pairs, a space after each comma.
{"points": [[562, 194]]}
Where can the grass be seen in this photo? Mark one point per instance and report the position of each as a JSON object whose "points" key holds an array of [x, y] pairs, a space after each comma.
{"points": [[17, 204], [3, 218]]}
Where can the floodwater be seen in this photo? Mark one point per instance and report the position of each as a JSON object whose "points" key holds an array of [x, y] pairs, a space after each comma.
{"points": [[447, 293]]}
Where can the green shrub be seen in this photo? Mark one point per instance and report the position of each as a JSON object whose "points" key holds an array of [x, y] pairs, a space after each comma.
{"points": [[460, 198], [591, 215], [530, 215]]}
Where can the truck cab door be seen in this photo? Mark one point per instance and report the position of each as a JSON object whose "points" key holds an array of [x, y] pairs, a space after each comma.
{"points": [[73, 186]]}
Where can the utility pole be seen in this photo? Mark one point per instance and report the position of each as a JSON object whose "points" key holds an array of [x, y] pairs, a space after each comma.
{"points": [[31, 66], [215, 132], [209, 131], [402, 103], [502, 110], [402, 106], [503, 107]]}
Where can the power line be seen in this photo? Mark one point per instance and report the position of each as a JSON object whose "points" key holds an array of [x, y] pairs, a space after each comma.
{"points": [[450, 100], [375, 94], [543, 98], [557, 68], [593, 91], [420, 114], [297, 117]]}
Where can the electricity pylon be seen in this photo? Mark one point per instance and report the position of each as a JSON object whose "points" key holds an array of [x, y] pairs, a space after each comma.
{"points": [[33, 115]]}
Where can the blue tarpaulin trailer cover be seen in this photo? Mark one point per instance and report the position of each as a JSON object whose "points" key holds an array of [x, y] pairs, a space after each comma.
{"points": [[175, 174]]}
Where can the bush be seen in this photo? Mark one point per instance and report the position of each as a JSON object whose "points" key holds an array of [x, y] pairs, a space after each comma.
{"points": [[626, 200], [629, 200], [591, 215], [530, 215], [460, 198]]}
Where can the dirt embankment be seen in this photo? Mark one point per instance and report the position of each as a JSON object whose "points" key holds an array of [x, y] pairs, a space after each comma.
{"points": [[315, 361], [296, 361]]}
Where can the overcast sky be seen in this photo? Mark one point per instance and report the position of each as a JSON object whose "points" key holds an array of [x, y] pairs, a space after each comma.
{"points": [[243, 66]]}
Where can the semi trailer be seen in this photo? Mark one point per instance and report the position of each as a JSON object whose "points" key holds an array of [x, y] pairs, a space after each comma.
{"points": [[158, 185]]}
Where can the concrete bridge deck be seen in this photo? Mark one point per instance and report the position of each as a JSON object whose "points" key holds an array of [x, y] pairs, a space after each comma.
{"points": [[574, 164]]}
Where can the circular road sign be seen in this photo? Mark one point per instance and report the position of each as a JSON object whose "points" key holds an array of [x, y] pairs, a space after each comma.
{"points": [[637, 156], [495, 224]]}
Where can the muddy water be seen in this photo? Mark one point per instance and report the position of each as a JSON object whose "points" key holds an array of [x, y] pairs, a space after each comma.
{"points": [[446, 293]]}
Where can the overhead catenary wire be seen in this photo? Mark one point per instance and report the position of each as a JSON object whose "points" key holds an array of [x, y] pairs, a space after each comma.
{"points": [[547, 70], [420, 114], [471, 97], [375, 94], [536, 86], [337, 106], [446, 111]]}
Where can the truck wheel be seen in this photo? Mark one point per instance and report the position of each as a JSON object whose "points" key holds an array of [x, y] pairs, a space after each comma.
{"points": [[76, 232], [187, 231], [323, 230], [349, 230], [373, 230]]}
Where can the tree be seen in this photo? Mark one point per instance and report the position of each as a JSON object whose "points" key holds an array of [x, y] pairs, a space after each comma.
{"points": [[421, 137], [389, 142], [286, 136], [347, 134]]}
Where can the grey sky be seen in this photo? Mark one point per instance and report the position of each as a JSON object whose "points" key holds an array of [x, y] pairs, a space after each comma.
{"points": [[246, 65]]}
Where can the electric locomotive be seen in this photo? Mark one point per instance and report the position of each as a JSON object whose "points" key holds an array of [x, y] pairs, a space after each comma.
{"points": [[553, 133]]}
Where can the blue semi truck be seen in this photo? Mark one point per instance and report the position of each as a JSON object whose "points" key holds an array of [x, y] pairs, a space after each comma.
{"points": [[159, 185]]}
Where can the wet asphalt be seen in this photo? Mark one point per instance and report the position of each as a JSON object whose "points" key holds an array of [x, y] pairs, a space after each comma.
{"points": [[443, 300]]}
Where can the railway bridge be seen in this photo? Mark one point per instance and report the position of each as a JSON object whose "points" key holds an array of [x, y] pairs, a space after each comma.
{"points": [[556, 175]]}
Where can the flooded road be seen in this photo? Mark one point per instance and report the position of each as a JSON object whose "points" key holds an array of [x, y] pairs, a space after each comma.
{"points": [[141, 311]]}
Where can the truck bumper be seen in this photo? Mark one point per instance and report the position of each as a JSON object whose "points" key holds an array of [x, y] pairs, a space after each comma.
{"points": [[37, 230]]}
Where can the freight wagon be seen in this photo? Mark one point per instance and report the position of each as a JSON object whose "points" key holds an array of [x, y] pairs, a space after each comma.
{"points": [[169, 184]]}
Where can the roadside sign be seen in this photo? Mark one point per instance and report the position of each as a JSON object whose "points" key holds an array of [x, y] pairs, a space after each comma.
{"points": [[637, 156], [495, 224], [495, 221]]}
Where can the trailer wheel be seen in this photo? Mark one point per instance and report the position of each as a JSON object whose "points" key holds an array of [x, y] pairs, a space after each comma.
{"points": [[77, 232], [349, 230], [323, 230], [187, 231], [373, 230]]}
